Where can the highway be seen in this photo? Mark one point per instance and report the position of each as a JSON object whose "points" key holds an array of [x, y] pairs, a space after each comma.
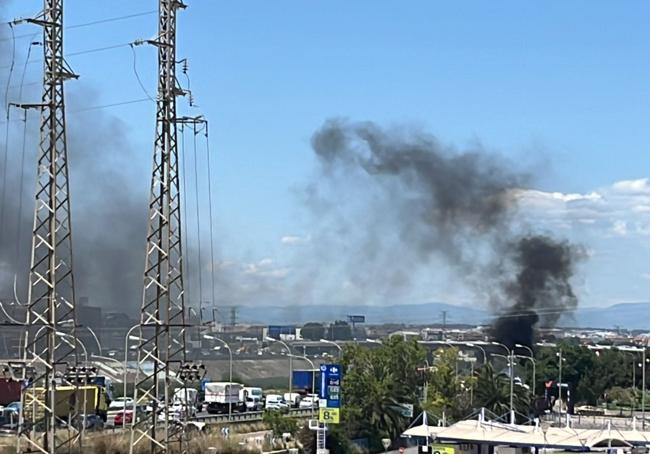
{"points": [[238, 417]]}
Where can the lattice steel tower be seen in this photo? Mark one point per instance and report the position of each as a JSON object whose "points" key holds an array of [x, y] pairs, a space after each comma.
{"points": [[50, 343], [162, 323]]}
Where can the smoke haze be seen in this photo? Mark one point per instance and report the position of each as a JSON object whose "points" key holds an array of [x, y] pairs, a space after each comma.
{"points": [[108, 192]]}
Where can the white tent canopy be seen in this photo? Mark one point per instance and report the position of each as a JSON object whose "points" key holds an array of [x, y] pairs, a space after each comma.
{"points": [[485, 432]]}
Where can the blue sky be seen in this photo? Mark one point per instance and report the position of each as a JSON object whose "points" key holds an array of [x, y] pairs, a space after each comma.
{"points": [[563, 87]]}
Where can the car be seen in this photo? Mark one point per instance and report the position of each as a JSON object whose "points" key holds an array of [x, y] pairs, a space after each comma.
{"points": [[121, 402], [126, 416], [8, 430], [91, 422], [309, 401], [275, 402], [14, 406], [254, 404]]}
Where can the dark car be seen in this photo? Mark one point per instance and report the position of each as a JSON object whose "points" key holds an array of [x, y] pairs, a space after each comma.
{"points": [[91, 422]]}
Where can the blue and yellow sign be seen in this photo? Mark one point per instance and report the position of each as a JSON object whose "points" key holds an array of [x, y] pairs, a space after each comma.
{"points": [[329, 415]]}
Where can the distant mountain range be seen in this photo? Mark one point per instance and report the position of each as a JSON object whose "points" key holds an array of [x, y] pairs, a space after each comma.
{"points": [[624, 315]]}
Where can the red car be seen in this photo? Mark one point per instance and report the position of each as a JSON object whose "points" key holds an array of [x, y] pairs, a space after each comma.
{"points": [[123, 417]]}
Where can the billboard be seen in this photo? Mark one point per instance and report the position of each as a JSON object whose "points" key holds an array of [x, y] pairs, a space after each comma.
{"points": [[357, 318], [275, 331]]}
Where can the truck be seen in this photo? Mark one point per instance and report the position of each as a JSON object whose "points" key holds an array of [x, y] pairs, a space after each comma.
{"points": [[304, 380], [252, 398], [185, 402], [69, 401], [9, 391], [221, 397], [292, 399]]}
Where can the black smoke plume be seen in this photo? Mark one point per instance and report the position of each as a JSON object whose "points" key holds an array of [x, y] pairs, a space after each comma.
{"points": [[424, 203], [108, 188], [541, 290]]}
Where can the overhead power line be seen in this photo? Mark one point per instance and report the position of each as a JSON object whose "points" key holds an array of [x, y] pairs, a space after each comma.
{"points": [[88, 108], [82, 52], [86, 24]]}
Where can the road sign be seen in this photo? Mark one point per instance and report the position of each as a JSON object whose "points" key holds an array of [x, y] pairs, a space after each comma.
{"points": [[330, 415], [442, 449], [330, 389]]}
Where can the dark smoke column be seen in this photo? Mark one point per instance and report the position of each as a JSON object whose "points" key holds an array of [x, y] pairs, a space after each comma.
{"points": [[541, 290]]}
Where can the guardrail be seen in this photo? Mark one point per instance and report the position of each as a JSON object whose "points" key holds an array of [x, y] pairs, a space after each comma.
{"points": [[252, 416]]}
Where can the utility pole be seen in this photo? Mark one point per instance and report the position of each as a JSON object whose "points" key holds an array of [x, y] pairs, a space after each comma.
{"points": [[50, 342], [444, 325], [162, 345]]}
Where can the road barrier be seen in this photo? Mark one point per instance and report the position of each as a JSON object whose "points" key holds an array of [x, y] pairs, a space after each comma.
{"points": [[250, 416]]}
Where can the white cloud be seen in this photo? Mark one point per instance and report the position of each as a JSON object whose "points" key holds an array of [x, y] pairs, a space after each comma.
{"points": [[619, 228], [294, 239], [639, 186]]}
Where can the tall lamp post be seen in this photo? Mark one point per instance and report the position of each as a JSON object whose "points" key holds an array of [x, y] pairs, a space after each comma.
{"points": [[225, 344], [477, 345], [284, 344], [73, 339], [128, 337], [99, 345], [326, 341], [643, 365], [559, 384], [313, 377], [512, 380], [532, 360]]}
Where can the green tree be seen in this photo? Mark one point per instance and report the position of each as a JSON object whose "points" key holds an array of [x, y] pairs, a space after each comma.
{"points": [[493, 392], [375, 382], [448, 392], [588, 373], [313, 331], [279, 424], [340, 330]]}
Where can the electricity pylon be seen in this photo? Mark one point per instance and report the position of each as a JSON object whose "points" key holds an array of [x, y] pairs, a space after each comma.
{"points": [[50, 343], [161, 352]]}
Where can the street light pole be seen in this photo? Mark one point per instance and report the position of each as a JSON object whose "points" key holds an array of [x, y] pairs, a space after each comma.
{"points": [[643, 386], [225, 344], [85, 391], [126, 358], [313, 377], [284, 344], [532, 359], [475, 345], [512, 380], [560, 380], [99, 345], [326, 341]]}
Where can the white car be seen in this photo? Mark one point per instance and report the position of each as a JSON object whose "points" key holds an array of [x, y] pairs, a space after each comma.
{"points": [[120, 403], [310, 401]]}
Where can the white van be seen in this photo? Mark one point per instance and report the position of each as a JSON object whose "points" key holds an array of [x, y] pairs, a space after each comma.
{"points": [[275, 402]]}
